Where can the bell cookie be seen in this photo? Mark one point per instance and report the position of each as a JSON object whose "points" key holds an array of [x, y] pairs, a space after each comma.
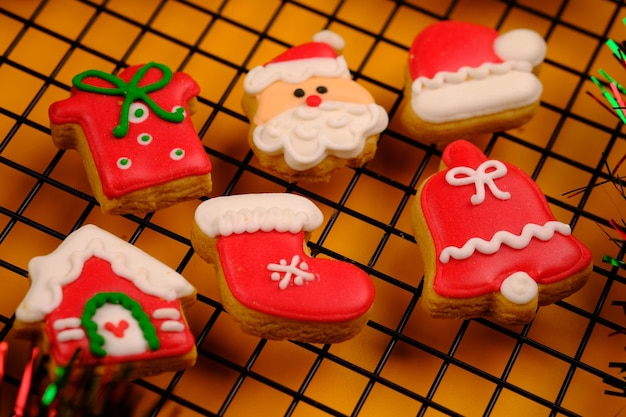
{"points": [[490, 244]]}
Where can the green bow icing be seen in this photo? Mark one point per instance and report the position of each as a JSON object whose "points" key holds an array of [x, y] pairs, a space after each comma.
{"points": [[131, 91]]}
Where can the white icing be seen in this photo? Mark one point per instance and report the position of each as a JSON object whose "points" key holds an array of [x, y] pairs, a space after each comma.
{"points": [[70, 334], [50, 273], [482, 177], [133, 110], [124, 163], [172, 326], [248, 213], [66, 323], [177, 154], [285, 273], [519, 288], [334, 40], [146, 141], [521, 45], [472, 92], [307, 135], [131, 342], [166, 313], [488, 247], [294, 72]]}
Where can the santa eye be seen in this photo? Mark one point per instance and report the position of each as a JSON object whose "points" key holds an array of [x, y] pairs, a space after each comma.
{"points": [[321, 89], [298, 92]]}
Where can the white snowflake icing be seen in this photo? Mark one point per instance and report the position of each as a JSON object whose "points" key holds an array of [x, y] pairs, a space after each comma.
{"points": [[296, 270]]}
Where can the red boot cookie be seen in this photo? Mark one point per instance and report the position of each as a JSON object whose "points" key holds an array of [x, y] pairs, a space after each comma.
{"points": [[122, 309], [138, 144], [268, 282], [490, 243]]}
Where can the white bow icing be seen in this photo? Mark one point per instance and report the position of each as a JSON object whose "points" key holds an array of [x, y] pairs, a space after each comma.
{"points": [[481, 178]]}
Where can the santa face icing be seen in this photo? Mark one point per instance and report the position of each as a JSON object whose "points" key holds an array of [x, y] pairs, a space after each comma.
{"points": [[136, 125], [462, 70], [104, 296], [309, 108], [493, 231]]}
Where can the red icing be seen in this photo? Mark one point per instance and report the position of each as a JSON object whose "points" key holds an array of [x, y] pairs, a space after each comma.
{"points": [[450, 45], [117, 329], [97, 276], [452, 220], [98, 114], [305, 51], [339, 292]]}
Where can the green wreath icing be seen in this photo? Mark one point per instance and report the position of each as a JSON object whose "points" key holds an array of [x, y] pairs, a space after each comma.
{"points": [[96, 341], [131, 91]]}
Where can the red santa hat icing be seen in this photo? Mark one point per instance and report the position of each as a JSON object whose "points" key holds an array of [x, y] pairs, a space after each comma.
{"points": [[450, 53], [299, 63]]}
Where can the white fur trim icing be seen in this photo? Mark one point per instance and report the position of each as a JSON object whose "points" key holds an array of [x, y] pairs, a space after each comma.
{"points": [[249, 213], [455, 99], [50, 273], [521, 45], [519, 288], [294, 72], [334, 40]]}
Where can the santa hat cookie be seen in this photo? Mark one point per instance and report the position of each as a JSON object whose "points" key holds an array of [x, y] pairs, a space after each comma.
{"points": [[491, 245], [464, 79], [267, 280], [121, 309], [134, 134], [307, 116]]}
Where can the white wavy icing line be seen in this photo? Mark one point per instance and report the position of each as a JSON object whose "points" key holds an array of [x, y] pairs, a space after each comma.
{"points": [[488, 247], [464, 73]]}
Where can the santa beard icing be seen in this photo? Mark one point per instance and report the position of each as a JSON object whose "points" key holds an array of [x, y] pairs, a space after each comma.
{"points": [[306, 134]]}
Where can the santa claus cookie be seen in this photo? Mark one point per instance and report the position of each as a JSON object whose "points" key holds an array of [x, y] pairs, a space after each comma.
{"points": [[267, 280], [464, 79], [118, 307], [307, 116], [134, 135], [490, 244]]}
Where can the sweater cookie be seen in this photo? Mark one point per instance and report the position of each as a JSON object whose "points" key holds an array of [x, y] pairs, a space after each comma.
{"points": [[490, 244], [465, 79], [121, 309], [267, 281], [307, 116], [135, 137]]}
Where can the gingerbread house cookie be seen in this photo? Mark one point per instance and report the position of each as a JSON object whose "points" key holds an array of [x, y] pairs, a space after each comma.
{"points": [[267, 279], [308, 118], [115, 304], [465, 79], [135, 137], [490, 244]]}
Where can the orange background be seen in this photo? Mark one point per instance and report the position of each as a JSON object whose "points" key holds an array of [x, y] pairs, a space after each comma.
{"points": [[392, 366]]}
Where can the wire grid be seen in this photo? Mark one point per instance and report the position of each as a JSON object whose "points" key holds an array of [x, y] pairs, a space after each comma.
{"points": [[403, 363]]}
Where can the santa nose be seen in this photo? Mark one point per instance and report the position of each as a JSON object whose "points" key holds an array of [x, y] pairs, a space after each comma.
{"points": [[313, 100]]}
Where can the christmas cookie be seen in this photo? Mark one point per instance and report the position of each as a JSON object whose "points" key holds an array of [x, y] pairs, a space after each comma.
{"points": [[134, 135], [490, 244], [121, 308], [464, 79], [307, 116], [267, 280]]}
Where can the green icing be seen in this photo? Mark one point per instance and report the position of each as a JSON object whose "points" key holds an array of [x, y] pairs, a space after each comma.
{"points": [[131, 91], [96, 341]]}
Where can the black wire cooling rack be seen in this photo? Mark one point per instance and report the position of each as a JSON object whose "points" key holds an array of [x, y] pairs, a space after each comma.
{"points": [[565, 363]]}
